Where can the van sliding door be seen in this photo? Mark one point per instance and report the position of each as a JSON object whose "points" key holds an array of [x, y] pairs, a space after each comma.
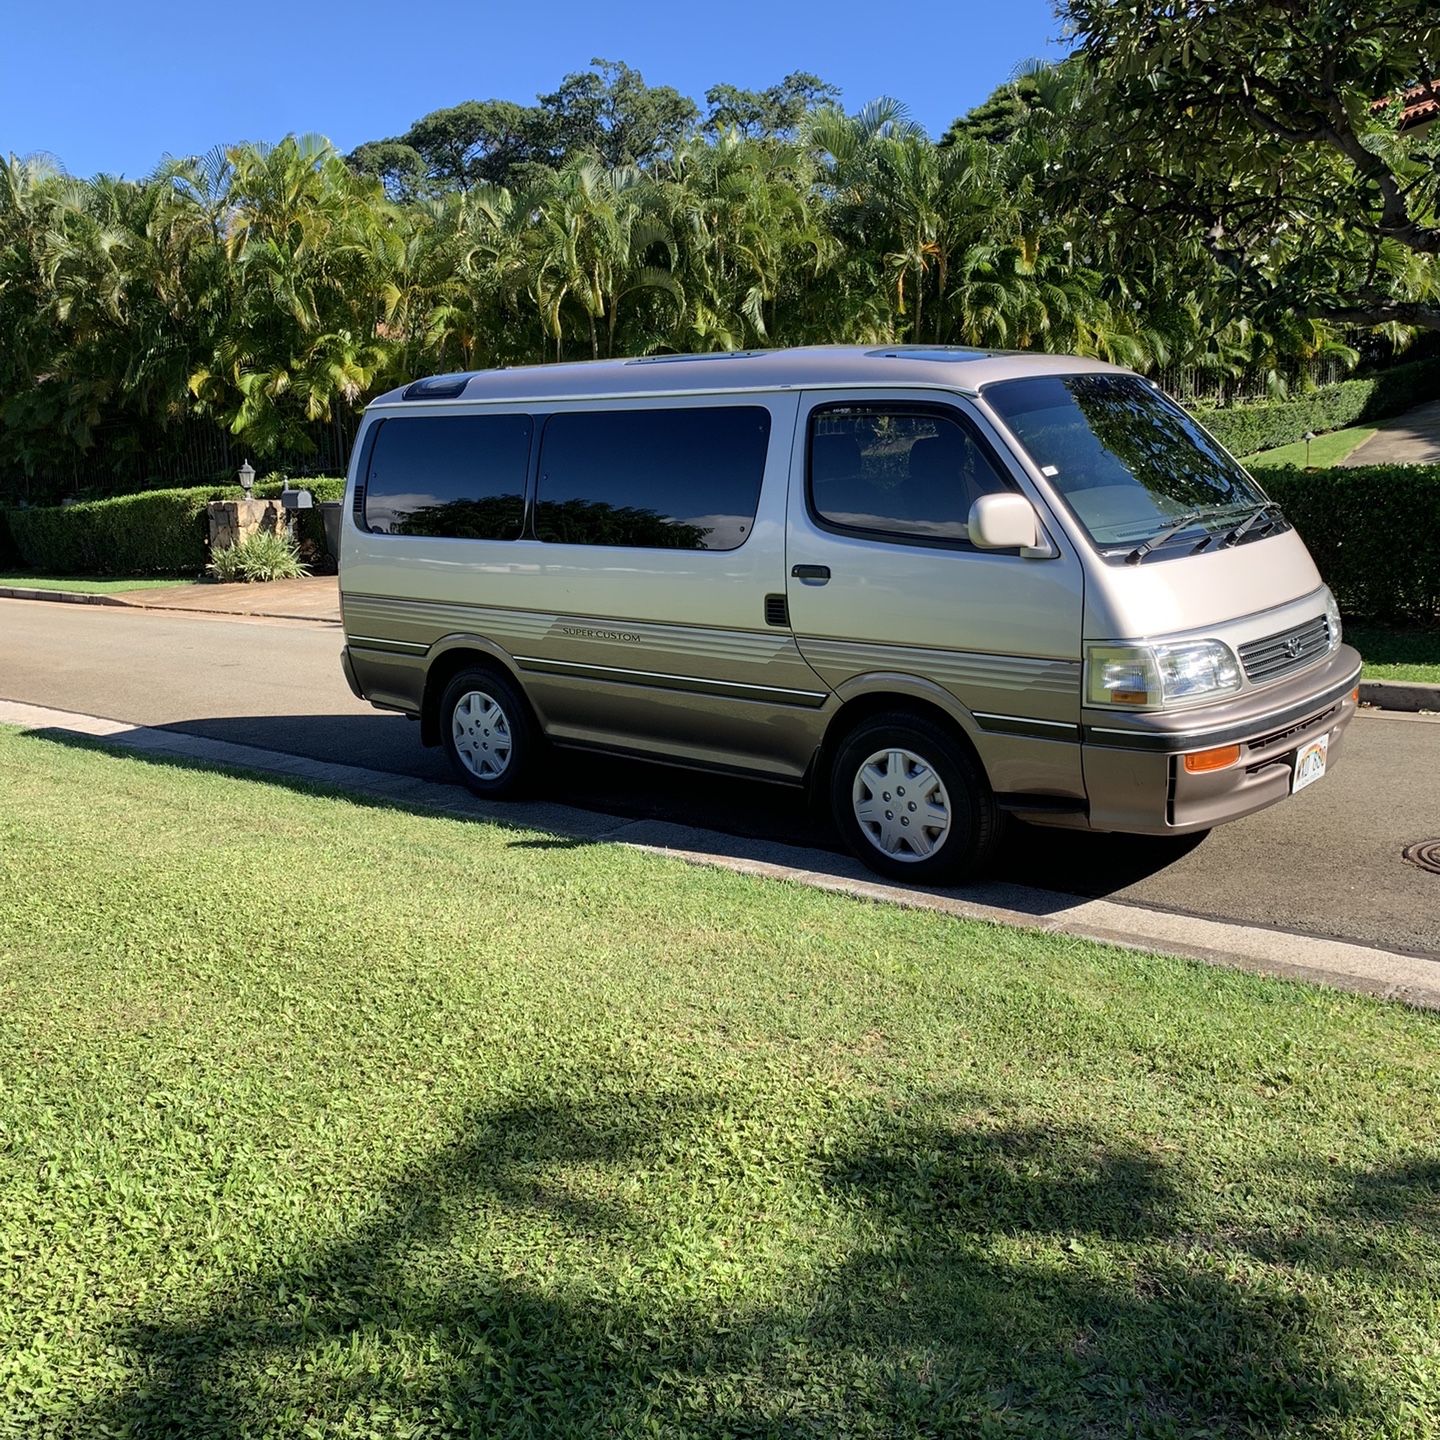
{"points": [[662, 531]]}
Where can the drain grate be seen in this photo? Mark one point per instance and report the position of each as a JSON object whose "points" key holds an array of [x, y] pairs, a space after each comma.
{"points": [[1425, 854]]}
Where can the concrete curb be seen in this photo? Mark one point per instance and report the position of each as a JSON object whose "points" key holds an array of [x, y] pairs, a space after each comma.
{"points": [[81, 597], [73, 597], [1389, 975], [228, 614], [1400, 695]]}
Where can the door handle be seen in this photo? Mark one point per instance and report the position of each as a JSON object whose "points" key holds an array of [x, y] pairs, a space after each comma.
{"points": [[811, 574]]}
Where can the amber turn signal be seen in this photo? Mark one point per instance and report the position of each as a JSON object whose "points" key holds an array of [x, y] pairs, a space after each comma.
{"points": [[1217, 759], [1355, 696]]}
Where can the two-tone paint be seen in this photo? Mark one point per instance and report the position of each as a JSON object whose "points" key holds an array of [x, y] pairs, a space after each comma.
{"points": [[751, 660]]}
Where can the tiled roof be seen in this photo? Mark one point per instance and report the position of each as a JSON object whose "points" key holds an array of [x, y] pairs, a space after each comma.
{"points": [[1421, 102]]}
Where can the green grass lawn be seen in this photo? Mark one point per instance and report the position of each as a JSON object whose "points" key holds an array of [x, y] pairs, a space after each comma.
{"points": [[1410, 653], [320, 1119], [85, 584], [1325, 450]]}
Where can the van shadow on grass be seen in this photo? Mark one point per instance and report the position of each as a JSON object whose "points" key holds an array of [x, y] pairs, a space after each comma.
{"points": [[582, 797], [1001, 1280]]}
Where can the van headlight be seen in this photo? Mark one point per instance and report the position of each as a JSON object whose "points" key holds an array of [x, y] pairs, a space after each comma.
{"points": [[1332, 618], [1148, 677]]}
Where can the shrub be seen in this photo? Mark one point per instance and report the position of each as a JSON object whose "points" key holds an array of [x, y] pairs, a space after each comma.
{"points": [[1374, 531], [156, 532], [264, 556], [1246, 429]]}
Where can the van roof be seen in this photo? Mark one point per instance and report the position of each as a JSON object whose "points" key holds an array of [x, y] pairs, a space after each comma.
{"points": [[951, 367]]}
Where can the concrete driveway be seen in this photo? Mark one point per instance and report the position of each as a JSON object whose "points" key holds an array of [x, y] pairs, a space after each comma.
{"points": [[1409, 439], [1326, 862]]}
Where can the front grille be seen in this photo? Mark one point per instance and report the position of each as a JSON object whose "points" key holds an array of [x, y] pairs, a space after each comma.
{"points": [[1278, 655]]}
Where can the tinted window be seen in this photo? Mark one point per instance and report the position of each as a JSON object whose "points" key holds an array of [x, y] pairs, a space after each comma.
{"points": [[459, 476], [1129, 462], [900, 470], [663, 479]]}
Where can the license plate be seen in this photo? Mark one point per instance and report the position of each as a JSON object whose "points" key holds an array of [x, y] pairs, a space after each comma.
{"points": [[1310, 763]]}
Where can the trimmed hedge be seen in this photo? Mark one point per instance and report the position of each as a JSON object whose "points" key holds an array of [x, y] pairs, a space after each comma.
{"points": [[9, 551], [156, 532], [1374, 531], [1246, 429]]}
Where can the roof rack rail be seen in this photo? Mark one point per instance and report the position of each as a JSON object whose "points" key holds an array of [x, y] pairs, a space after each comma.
{"points": [[708, 355]]}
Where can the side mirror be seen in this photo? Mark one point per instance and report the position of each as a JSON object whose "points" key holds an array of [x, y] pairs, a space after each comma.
{"points": [[1008, 522]]}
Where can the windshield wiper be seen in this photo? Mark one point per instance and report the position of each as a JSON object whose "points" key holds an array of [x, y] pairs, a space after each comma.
{"points": [[1183, 522], [1233, 537]]}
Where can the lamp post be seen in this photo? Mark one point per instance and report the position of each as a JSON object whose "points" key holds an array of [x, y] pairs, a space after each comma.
{"points": [[1308, 437], [247, 478]]}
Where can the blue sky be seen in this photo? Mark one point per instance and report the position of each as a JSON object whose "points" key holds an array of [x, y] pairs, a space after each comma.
{"points": [[114, 86]]}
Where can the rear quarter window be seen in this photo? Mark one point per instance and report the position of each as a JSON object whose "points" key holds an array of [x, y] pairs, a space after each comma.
{"points": [[459, 477]]}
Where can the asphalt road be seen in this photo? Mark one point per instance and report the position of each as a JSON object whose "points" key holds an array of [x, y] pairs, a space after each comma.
{"points": [[1325, 862]]}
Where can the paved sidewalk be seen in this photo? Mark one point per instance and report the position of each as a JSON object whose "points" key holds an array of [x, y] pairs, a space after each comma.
{"points": [[1383, 973], [1409, 439], [317, 597]]}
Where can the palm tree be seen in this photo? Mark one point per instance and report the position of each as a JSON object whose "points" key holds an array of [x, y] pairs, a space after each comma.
{"points": [[745, 227], [598, 239], [305, 331]]}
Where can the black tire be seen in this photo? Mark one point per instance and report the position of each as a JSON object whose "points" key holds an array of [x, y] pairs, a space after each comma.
{"points": [[973, 822], [488, 731]]}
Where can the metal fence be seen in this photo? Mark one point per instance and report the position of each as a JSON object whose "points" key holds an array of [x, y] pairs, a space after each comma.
{"points": [[1186, 382], [191, 451]]}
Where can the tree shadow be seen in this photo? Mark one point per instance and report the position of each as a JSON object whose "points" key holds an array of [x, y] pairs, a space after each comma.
{"points": [[994, 1280], [1039, 1280], [1404, 1193], [303, 1345]]}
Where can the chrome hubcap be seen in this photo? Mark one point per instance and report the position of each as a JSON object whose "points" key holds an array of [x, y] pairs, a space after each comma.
{"points": [[482, 734], [901, 805]]}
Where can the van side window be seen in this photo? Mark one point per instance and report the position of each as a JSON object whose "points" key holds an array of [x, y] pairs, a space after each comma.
{"points": [[670, 479], [904, 470], [460, 477]]}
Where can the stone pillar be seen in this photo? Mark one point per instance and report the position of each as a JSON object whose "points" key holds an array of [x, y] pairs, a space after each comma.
{"points": [[232, 522]]}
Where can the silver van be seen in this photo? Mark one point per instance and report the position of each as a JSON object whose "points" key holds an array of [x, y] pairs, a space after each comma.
{"points": [[937, 585]]}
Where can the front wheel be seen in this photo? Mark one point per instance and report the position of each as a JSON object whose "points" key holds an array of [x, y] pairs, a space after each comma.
{"points": [[911, 801], [489, 733]]}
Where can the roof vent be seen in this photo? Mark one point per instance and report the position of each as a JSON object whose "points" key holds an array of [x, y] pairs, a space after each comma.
{"points": [[437, 387]]}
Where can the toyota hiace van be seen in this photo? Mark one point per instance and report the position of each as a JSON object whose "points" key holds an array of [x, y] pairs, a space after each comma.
{"points": [[935, 585]]}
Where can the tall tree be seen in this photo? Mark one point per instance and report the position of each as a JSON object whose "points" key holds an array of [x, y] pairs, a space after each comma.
{"points": [[775, 113], [1270, 127], [610, 112], [998, 116]]}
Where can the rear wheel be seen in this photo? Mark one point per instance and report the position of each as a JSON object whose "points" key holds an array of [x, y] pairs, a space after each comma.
{"points": [[489, 733], [911, 801]]}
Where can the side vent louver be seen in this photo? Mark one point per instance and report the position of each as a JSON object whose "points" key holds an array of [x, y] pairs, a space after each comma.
{"points": [[777, 612]]}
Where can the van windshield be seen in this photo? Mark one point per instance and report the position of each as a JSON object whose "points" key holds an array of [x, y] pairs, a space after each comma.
{"points": [[1130, 463]]}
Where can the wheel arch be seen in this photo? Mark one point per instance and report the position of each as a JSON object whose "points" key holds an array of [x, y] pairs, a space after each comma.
{"points": [[448, 657], [876, 694]]}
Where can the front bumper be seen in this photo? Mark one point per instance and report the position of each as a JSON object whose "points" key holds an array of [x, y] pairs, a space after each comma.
{"points": [[1134, 773]]}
